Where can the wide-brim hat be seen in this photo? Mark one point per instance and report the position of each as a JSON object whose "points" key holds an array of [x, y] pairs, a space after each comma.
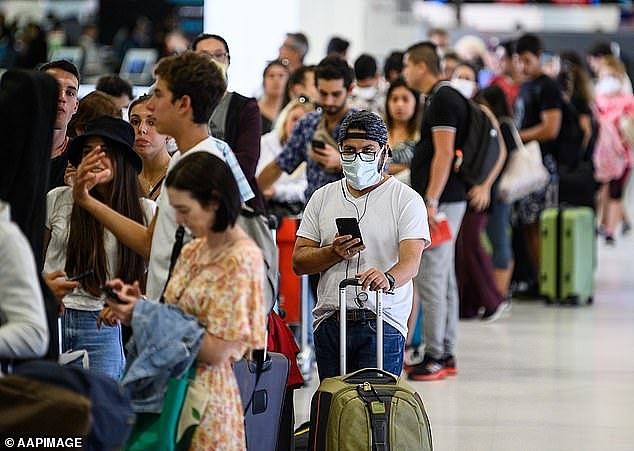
{"points": [[112, 130]]}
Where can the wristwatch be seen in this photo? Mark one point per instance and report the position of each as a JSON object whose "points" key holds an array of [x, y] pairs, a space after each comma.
{"points": [[391, 280]]}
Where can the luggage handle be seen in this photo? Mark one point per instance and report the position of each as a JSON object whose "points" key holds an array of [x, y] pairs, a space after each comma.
{"points": [[343, 324], [370, 371]]}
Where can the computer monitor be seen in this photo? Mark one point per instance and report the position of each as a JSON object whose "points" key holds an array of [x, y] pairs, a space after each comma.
{"points": [[138, 65]]}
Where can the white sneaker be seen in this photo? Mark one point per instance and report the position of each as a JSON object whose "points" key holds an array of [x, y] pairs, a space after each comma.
{"points": [[504, 305]]}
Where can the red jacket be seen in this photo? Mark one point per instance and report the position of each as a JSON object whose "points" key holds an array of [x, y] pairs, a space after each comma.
{"points": [[281, 340]]}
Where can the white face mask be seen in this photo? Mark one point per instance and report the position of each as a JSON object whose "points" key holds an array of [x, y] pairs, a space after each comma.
{"points": [[367, 93], [361, 174], [608, 86], [465, 87]]}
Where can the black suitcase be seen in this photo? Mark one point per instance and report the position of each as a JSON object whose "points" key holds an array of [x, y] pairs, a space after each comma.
{"points": [[262, 399]]}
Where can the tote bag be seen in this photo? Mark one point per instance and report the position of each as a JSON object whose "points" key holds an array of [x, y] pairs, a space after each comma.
{"points": [[174, 427], [525, 172]]}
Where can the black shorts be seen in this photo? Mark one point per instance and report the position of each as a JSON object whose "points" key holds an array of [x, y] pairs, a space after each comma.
{"points": [[617, 186]]}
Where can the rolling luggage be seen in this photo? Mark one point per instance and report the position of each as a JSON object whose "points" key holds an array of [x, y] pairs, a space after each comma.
{"points": [[369, 409], [567, 255], [263, 398]]}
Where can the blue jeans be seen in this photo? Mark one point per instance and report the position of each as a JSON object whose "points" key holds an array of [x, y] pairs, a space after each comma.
{"points": [[360, 349], [498, 233], [104, 346]]}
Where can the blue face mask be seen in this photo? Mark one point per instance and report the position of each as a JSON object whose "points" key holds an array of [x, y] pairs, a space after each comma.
{"points": [[361, 174]]}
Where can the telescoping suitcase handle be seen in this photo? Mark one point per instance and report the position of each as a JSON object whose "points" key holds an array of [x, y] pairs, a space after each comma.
{"points": [[343, 323]]}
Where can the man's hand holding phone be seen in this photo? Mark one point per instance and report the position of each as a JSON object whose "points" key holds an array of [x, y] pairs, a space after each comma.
{"points": [[326, 156], [348, 241], [346, 246]]}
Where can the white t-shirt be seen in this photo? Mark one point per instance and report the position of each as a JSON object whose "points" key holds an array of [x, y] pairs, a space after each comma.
{"points": [[59, 206], [289, 187], [165, 228], [394, 212]]}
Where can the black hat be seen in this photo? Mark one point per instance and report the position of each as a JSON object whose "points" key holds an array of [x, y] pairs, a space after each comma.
{"points": [[110, 129]]}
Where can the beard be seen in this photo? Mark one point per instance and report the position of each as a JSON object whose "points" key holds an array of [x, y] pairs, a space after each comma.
{"points": [[334, 110]]}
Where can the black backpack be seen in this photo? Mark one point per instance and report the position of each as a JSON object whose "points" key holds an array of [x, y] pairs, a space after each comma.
{"points": [[477, 156]]}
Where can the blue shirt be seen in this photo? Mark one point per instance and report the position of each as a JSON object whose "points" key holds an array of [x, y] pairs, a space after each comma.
{"points": [[295, 152]]}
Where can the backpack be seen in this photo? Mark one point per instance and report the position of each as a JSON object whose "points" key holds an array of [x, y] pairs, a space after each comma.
{"points": [[260, 229], [610, 150], [476, 157]]}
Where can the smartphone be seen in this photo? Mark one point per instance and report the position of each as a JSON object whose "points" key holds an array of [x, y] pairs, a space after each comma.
{"points": [[317, 144], [110, 294], [349, 226], [79, 276]]}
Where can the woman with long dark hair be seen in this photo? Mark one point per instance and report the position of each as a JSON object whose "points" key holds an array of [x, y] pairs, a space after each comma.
{"points": [[78, 244], [403, 119]]}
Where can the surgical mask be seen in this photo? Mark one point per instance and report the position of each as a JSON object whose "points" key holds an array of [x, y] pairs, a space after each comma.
{"points": [[465, 87], [366, 93], [361, 174], [608, 86]]}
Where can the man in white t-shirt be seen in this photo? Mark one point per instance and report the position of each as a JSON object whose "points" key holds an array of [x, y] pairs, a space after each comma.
{"points": [[188, 87], [393, 222]]}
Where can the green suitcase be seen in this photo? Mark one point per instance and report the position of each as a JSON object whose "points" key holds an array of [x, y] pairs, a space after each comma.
{"points": [[369, 409], [567, 262]]}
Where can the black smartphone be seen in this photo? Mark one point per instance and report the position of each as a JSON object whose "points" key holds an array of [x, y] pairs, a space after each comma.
{"points": [[349, 226], [110, 294], [79, 276], [317, 144]]}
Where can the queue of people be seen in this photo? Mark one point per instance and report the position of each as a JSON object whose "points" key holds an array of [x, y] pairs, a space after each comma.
{"points": [[146, 210]]}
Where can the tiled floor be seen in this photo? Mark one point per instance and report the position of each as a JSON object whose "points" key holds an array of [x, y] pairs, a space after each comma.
{"points": [[545, 378]]}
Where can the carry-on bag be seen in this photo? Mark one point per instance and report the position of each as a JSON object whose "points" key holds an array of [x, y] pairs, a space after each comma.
{"points": [[262, 391], [567, 259], [369, 409]]}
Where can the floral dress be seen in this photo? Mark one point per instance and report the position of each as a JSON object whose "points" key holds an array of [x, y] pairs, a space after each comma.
{"points": [[224, 291]]}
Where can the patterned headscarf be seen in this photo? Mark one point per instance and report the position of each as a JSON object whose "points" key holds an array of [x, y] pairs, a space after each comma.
{"points": [[373, 127]]}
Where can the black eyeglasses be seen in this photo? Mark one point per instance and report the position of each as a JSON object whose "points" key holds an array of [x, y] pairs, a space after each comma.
{"points": [[349, 156]]}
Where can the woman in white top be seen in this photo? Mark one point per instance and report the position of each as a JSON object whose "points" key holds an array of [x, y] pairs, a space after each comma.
{"points": [[286, 196], [78, 244]]}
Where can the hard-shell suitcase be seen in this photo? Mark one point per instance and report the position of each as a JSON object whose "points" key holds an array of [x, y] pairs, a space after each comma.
{"points": [[263, 399], [567, 255], [369, 409]]}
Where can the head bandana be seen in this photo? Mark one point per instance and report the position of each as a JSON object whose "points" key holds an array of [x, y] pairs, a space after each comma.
{"points": [[367, 125]]}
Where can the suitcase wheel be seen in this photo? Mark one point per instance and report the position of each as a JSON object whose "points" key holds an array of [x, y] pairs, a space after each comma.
{"points": [[573, 300], [547, 300]]}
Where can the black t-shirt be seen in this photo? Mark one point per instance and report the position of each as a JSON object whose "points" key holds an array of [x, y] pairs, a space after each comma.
{"points": [[535, 96], [447, 109], [58, 169]]}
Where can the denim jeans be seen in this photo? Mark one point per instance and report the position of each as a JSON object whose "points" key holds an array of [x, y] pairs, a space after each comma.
{"points": [[360, 349], [104, 345], [498, 232]]}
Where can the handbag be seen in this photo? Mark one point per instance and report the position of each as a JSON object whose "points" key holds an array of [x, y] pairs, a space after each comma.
{"points": [[172, 429], [525, 172]]}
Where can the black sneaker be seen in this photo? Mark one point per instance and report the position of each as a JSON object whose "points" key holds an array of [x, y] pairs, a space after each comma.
{"points": [[627, 228], [609, 240], [449, 365], [429, 369]]}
